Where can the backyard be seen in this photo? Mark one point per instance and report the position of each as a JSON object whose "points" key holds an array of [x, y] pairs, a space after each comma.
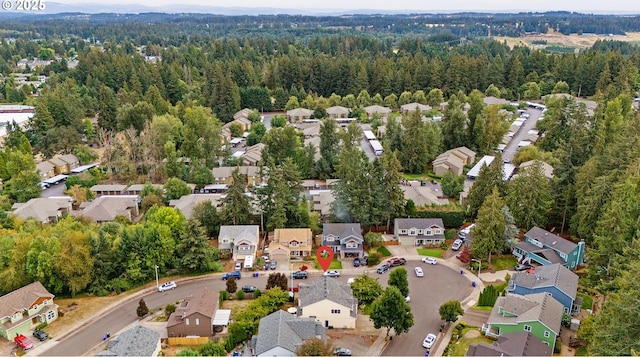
{"points": [[469, 335]]}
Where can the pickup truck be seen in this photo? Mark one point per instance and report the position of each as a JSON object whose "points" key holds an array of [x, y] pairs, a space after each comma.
{"points": [[23, 342], [394, 262]]}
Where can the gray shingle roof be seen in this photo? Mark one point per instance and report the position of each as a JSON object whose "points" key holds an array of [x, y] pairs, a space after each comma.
{"points": [[546, 253], [549, 275], [551, 240], [406, 223], [234, 233], [326, 288], [137, 341], [534, 307], [286, 331], [342, 230]]}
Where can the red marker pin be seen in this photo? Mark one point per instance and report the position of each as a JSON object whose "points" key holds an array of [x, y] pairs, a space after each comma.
{"points": [[325, 257]]}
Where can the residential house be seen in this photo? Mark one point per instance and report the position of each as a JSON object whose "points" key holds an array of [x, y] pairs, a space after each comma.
{"points": [[194, 316], [253, 155], [329, 301], [59, 166], [44, 210], [546, 168], [108, 190], [298, 115], [280, 334], [539, 314], [419, 231], [243, 117], [495, 101], [224, 174], [376, 109], [423, 195], [337, 112], [322, 200], [414, 107], [242, 241], [136, 189], [71, 160], [187, 203], [136, 341], [453, 161], [309, 130], [381, 132], [107, 208], [23, 309], [344, 239], [46, 170], [225, 132], [512, 344], [547, 248], [555, 280], [290, 242]]}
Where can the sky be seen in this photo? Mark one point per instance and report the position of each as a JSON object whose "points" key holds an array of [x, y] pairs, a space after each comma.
{"points": [[596, 6]]}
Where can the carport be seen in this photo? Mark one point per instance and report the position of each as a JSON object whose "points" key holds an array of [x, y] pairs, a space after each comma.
{"points": [[221, 319]]}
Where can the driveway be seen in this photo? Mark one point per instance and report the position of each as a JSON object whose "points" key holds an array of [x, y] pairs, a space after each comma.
{"points": [[510, 151]]}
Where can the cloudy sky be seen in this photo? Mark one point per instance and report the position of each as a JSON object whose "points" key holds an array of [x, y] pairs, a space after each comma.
{"points": [[599, 6]]}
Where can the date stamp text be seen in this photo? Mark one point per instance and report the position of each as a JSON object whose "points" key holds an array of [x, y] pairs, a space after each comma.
{"points": [[23, 5]]}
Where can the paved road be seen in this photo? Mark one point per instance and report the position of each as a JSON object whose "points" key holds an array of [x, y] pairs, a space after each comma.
{"points": [[511, 149], [439, 285]]}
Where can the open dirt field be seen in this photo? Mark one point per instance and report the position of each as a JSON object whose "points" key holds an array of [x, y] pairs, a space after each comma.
{"points": [[557, 39]]}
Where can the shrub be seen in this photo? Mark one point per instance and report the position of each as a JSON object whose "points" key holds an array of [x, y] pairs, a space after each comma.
{"points": [[142, 309], [558, 347], [374, 259], [256, 294], [240, 295], [232, 287], [444, 246], [488, 296], [171, 308], [224, 295], [42, 325]]}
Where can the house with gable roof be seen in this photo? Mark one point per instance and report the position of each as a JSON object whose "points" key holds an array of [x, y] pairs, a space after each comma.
{"points": [[107, 208], [413, 107], [344, 239], [546, 248], [298, 115], [136, 341], [555, 280], [419, 231], [512, 344], [329, 301], [290, 242], [194, 316], [539, 314], [44, 210], [46, 170], [242, 241], [280, 334], [23, 309], [337, 112], [186, 204]]}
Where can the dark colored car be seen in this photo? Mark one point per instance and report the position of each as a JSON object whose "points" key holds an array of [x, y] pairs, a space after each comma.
{"points": [[249, 288], [235, 274], [299, 274], [394, 262], [356, 262], [521, 267], [365, 260], [40, 335], [383, 268]]}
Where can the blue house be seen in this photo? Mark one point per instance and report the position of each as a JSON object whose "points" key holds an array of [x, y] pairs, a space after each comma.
{"points": [[546, 248], [555, 280]]}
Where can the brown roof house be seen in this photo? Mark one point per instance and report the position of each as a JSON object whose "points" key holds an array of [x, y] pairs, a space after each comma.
{"points": [[298, 115], [253, 155], [44, 210], [413, 107], [107, 208], [373, 109], [46, 170], [59, 166], [108, 190], [337, 112], [71, 160], [290, 242], [194, 316], [513, 344], [224, 174], [453, 161], [329, 301], [23, 309]]}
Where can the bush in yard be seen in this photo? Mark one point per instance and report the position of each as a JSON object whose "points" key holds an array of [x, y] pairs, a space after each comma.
{"points": [[142, 309], [171, 308], [374, 259], [256, 294], [558, 347], [240, 295], [224, 295], [232, 287], [373, 239]]}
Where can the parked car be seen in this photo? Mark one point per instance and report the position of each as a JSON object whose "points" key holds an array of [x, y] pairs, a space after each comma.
{"points": [[383, 268], [341, 351], [365, 260], [332, 273], [40, 335], [356, 262], [265, 258], [521, 267], [169, 285], [238, 267], [274, 264], [407, 299], [394, 262], [234, 274], [429, 260], [429, 341], [457, 244], [23, 342], [462, 235], [249, 288], [419, 272], [299, 274]]}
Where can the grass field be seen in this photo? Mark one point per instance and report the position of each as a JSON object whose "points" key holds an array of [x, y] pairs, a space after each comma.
{"points": [[460, 347], [384, 251], [587, 301], [335, 264], [559, 40], [502, 263], [433, 252]]}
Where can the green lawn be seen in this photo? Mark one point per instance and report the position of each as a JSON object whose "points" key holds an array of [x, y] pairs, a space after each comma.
{"points": [[587, 301], [335, 264], [581, 351], [485, 308], [460, 347], [384, 251], [433, 252], [416, 177], [502, 263]]}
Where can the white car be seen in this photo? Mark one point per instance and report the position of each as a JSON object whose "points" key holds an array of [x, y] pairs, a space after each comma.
{"points": [[350, 281], [429, 341], [457, 244], [429, 260], [332, 273], [170, 285], [419, 272], [407, 299]]}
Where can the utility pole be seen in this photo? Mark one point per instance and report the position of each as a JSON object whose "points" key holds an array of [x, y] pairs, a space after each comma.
{"points": [[157, 285]]}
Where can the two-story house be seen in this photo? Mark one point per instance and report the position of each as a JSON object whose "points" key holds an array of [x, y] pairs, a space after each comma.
{"points": [[329, 301], [290, 242], [539, 314], [344, 239], [419, 231], [281, 334], [23, 309], [194, 316], [242, 241], [513, 344], [224, 174], [547, 248], [555, 280]]}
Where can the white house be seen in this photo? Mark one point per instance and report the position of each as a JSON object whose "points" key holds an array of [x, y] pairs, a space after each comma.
{"points": [[329, 301]]}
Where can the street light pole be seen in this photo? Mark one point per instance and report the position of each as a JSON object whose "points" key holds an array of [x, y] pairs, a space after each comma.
{"points": [[157, 285]]}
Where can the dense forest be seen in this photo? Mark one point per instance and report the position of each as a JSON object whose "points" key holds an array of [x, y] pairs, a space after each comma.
{"points": [[151, 115]]}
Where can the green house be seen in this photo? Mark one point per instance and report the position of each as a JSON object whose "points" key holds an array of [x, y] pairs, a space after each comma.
{"points": [[24, 309], [539, 314]]}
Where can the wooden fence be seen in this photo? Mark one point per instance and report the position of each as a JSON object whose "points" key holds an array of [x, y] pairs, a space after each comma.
{"points": [[187, 341]]}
